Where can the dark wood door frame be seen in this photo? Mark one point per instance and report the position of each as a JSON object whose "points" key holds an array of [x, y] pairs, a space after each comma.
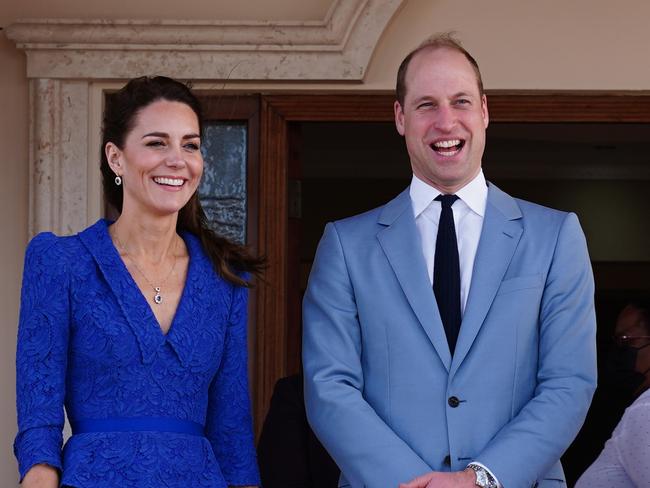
{"points": [[277, 111]]}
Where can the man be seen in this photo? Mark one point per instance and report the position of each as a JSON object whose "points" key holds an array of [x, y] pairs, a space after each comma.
{"points": [[396, 387], [288, 453]]}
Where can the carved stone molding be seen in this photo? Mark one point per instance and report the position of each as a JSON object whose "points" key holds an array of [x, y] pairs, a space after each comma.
{"points": [[338, 48], [66, 58]]}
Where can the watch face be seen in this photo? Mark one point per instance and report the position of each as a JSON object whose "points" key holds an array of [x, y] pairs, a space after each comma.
{"points": [[482, 479]]}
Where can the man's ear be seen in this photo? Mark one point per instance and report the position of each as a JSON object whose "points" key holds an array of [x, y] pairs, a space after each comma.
{"points": [[484, 109], [114, 158], [399, 117]]}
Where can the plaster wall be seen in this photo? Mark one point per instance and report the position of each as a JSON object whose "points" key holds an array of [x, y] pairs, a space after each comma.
{"points": [[552, 45], [13, 224]]}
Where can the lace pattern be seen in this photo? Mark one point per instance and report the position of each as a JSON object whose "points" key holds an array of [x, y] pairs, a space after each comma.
{"points": [[87, 337]]}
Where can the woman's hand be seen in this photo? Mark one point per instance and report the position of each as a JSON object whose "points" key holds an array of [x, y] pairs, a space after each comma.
{"points": [[41, 476]]}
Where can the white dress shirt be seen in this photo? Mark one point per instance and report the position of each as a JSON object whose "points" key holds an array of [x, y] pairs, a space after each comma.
{"points": [[468, 211]]}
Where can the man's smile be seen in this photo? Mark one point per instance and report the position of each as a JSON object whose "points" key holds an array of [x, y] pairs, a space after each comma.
{"points": [[447, 147]]}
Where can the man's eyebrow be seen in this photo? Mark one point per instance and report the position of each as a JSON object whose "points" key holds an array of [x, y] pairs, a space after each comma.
{"points": [[429, 98], [423, 98]]}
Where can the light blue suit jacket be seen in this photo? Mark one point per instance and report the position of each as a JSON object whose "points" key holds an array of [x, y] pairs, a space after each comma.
{"points": [[378, 371]]}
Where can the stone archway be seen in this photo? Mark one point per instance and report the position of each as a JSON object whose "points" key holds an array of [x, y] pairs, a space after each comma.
{"points": [[71, 62]]}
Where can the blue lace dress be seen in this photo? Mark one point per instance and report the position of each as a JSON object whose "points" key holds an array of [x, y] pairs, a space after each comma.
{"points": [[146, 409]]}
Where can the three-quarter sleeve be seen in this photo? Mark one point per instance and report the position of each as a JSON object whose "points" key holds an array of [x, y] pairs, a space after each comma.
{"points": [[41, 355], [229, 422]]}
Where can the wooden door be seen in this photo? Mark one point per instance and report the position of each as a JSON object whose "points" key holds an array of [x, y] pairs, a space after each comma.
{"points": [[277, 316]]}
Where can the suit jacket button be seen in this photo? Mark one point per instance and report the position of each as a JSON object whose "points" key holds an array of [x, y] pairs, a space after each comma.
{"points": [[447, 460], [453, 402]]}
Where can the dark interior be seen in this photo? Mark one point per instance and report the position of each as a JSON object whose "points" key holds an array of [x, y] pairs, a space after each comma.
{"points": [[599, 171]]}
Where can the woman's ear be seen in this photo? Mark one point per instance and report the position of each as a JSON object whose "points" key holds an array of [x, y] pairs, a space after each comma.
{"points": [[114, 158]]}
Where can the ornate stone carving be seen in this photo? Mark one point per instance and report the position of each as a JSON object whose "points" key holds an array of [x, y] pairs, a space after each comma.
{"points": [[66, 57], [338, 48]]}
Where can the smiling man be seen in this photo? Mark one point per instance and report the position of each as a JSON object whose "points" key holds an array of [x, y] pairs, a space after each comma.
{"points": [[449, 336]]}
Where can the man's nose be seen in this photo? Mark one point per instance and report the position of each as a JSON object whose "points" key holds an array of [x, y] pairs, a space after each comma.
{"points": [[445, 119]]}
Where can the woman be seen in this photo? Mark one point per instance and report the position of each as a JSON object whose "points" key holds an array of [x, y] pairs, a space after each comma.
{"points": [[625, 460], [138, 326]]}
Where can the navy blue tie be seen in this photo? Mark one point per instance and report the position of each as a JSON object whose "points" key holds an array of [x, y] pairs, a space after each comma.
{"points": [[446, 272]]}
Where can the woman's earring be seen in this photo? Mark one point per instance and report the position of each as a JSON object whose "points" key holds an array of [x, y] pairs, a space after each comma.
{"points": [[118, 180]]}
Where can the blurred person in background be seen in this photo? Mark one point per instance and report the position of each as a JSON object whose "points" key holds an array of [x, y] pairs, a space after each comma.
{"points": [[625, 459]]}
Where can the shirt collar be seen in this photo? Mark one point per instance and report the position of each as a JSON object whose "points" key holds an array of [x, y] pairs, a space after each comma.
{"points": [[474, 194]]}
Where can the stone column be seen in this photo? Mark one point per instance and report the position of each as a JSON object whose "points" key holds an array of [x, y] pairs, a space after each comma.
{"points": [[58, 152]]}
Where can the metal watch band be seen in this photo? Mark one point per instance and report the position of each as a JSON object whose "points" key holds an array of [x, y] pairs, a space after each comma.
{"points": [[483, 478]]}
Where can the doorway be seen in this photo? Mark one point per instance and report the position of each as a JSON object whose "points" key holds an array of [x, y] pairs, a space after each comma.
{"points": [[329, 156]]}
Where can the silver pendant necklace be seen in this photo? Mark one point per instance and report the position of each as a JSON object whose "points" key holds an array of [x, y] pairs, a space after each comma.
{"points": [[157, 298]]}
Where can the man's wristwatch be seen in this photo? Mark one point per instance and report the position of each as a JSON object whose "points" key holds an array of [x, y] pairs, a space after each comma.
{"points": [[483, 478]]}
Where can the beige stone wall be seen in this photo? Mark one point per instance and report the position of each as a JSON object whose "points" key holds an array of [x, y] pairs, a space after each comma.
{"points": [[552, 45], [153, 9]]}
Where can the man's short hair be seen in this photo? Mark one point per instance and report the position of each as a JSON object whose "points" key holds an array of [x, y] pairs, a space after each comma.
{"points": [[437, 41]]}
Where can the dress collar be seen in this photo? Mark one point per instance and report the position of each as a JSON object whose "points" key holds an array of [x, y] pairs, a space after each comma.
{"points": [[134, 306]]}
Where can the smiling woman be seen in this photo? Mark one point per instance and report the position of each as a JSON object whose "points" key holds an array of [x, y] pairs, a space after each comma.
{"points": [[138, 326], [160, 168]]}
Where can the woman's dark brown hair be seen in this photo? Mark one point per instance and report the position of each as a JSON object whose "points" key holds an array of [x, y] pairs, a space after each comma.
{"points": [[229, 260]]}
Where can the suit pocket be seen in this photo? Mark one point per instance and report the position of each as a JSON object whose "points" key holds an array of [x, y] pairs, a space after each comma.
{"points": [[520, 283]]}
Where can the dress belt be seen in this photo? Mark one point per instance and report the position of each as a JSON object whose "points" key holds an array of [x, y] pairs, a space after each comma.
{"points": [[137, 424]]}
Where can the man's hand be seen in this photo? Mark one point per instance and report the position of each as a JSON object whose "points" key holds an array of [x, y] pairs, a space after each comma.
{"points": [[439, 479]]}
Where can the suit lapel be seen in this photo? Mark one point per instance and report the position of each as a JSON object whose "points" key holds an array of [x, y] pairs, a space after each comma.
{"points": [[502, 229], [401, 244]]}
